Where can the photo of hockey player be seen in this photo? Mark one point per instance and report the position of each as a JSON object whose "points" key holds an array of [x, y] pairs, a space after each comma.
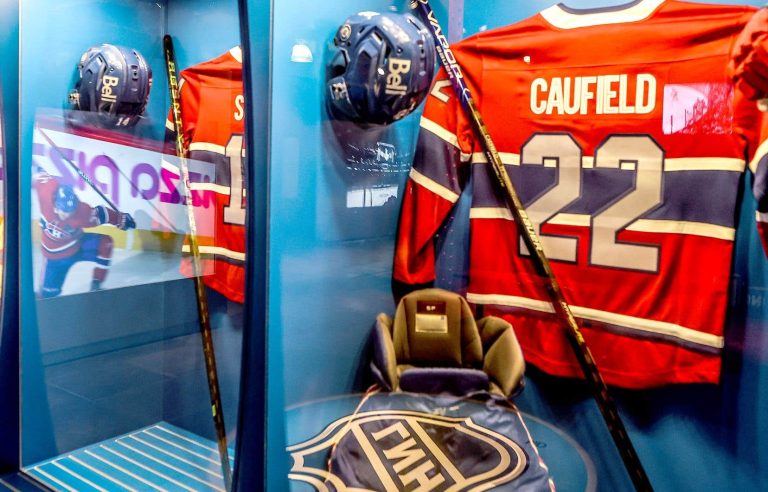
{"points": [[113, 176], [63, 216]]}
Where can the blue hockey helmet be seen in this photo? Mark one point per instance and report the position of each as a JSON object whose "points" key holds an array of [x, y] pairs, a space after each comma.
{"points": [[381, 69], [65, 199], [113, 86]]}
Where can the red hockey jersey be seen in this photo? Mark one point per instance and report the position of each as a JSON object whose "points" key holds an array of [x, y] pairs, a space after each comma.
{"points": [[61, 238], [627, 144], [212, 110]]}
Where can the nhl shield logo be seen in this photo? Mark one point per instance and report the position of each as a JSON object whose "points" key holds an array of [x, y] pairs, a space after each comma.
{"points": [[398, 450]]}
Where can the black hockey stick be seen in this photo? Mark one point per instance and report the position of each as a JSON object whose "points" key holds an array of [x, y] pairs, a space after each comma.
{"points": [[202, 299], [562, 309], [95, 188]]}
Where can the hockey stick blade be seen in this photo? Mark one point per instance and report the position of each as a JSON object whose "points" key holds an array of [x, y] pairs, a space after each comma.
{"points": [[528, 232], [202, 299]]}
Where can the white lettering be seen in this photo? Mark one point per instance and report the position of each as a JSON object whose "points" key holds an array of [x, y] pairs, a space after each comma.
{"points": [[444, 49], [555, 100], [645, 97], [571, 102], [610, 94], [107, 83], [536, 106], [586, 94], [623, 89], [594, 94], [239, 107], [397, 66]]}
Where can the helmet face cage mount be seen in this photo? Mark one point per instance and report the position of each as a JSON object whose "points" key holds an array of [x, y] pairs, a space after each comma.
{"points": [[113, 86], [381, 69]]}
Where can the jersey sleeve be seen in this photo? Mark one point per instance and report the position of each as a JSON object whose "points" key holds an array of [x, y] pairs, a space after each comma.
{"points": [[753, 125], [750, 116], [440, 169]]}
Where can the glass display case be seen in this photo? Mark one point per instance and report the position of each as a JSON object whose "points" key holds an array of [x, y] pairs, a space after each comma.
{"points": [[126, 238], [323, 259]]}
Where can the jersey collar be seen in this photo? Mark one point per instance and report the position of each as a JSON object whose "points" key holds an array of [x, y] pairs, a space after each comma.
{"points": [[237, 54], [565, 17]]}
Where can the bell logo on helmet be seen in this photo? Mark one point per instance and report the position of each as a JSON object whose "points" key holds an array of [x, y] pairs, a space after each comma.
{"points": [[400, 450], [107, 83], [397, 66]]}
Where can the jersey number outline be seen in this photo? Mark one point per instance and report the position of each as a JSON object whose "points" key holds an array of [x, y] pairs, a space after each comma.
{"points": [[638, 153], [234, 211]]}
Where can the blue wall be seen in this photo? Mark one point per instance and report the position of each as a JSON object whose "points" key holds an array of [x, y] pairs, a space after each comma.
{"points": [[329, 265]]}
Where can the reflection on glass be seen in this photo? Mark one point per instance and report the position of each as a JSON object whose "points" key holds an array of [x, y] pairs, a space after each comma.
{"points": [[2, 194], [114, 380], [125, 192]]}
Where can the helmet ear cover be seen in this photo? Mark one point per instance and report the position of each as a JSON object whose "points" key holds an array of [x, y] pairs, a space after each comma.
{"points": [[382, 67], [113, 86]]}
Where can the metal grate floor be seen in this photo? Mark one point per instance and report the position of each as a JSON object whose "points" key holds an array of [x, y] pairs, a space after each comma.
{"points": [[160, 457]]}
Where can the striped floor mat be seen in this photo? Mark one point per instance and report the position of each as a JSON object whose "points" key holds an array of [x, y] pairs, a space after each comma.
{"points": [[161, 457]]}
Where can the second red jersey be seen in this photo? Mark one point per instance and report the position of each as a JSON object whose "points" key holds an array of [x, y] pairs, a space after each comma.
{"points": [[627, 144], [212, 109]]}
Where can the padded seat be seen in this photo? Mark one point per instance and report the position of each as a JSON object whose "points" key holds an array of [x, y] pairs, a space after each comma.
{"points": [[435, 345]]}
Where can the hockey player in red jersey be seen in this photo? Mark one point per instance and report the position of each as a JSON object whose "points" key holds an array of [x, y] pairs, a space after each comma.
{"points": [[64, 243]]}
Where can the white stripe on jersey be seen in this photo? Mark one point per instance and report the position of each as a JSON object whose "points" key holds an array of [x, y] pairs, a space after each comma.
{"points": [[640, 225], [208, 147], [439, 131], [507, 158], [218, 251], [173, 168], [762, 150], [61, 248], [704, 164], [216, 188], [670, 164], [433, 186], [630, 322], [761, 217], [559, 17], [211, 147], [684, 227]]}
